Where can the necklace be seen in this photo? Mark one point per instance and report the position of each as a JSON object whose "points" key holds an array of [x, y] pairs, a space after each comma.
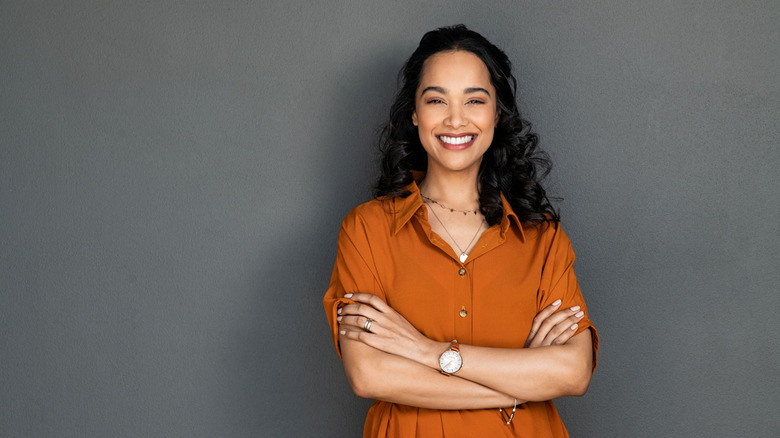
{"points": [[465, 212], [463, 254]]}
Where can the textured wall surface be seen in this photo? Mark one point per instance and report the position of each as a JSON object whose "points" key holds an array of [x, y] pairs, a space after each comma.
{"points": [[173, 174]]}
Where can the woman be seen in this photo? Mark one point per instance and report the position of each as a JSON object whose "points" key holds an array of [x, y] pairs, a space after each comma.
{"points": [[459, 263]]}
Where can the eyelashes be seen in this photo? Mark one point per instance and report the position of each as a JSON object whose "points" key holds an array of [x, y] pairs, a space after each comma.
{"points": [[470, 101]]}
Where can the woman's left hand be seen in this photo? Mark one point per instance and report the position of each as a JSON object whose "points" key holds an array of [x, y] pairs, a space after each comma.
{"points": [[388, 330], [554, 327]]}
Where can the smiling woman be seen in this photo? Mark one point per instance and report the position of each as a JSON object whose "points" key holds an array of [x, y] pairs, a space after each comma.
{"points": [[470, 323], [455, 113]]}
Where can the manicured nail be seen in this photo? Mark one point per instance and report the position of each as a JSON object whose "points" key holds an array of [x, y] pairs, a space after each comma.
{"points": [[348, 296], [339, 311], [342, 332], [575, 308], [556, 303], [574, 327], [578, 314], [339, 318]]}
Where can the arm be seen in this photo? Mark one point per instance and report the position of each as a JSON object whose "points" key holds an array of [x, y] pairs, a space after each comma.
{"points": [[532, 374], [383, 376], [528, 374]]}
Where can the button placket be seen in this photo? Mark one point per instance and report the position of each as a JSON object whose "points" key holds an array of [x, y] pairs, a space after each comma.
{"points": [[463, 286]]}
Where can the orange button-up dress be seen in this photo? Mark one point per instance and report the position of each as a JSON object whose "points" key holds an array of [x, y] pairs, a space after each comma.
{"points": [[387, 248]]}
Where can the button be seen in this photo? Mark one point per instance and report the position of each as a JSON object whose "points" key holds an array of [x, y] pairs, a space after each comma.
{"points": [[463, 312], [462, 272]]}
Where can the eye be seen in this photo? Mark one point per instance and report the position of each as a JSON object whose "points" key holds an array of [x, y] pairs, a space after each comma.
{"points": [[434, 100], [475, 101]]}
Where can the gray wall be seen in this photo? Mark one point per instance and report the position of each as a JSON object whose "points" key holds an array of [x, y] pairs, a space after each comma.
{"points": [[172, 178]]}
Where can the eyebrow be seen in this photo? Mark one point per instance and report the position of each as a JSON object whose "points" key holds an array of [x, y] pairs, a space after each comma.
{"points": [[443, 91]]}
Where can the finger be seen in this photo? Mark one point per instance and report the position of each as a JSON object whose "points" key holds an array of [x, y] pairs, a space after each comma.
{"points": [[550, 326], [360, 335], [359, 309], [566, 335], [348, 320], [564, 330], [355, 334], [539, 319], [530, 338], [544, 314], [370, 299], [358, 323], [563, 334]]}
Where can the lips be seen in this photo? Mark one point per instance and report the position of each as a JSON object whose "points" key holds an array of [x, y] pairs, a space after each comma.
{"points": [[456, 140]]}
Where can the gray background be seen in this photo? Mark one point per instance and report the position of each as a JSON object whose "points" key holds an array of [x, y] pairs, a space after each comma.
{"points": [[173, 175]]}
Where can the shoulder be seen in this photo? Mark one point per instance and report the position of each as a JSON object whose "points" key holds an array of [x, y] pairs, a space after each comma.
{"points": [[548, 233], [373, 214]]}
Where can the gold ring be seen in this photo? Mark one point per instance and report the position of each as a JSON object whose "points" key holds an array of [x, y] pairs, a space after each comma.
{"points": [[367, 325]]}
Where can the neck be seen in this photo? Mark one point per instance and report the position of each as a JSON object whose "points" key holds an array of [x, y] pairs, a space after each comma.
{"points": [[456, 189]]}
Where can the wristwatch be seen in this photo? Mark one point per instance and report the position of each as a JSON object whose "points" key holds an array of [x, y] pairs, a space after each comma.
{"points": [[450, 361]]}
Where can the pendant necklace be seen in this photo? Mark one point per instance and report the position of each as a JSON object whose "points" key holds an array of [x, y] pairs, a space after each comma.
{"points": [[463, 254]]}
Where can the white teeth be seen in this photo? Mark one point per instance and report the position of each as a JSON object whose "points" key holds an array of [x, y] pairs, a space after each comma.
{"points": [[456, 140]]}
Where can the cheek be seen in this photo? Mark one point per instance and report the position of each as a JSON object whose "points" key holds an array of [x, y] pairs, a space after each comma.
{"points": [[423, 118], [490, 119], [484, 119], [488, 131]]}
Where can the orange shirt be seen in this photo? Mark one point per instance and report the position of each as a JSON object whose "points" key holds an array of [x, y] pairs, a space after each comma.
{"points": [[387, 248]]}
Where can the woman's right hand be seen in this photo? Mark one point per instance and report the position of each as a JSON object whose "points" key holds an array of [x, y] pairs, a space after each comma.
{"points": [[553, 327], [387, 331]]}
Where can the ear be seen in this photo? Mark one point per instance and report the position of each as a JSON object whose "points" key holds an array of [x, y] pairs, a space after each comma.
{"points": [[414, 118]]}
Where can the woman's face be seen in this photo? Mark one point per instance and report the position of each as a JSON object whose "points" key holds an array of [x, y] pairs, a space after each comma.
{"points": [[455, 111]]}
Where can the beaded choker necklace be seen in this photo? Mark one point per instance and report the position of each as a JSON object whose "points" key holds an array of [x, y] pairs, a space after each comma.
{"points": [[433, 201]]}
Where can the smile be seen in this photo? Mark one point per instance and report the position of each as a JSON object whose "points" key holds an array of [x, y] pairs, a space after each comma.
{"points": [[456, 140]]}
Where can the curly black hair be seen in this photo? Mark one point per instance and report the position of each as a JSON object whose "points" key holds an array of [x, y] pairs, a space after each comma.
{"points": [[512, 165]]}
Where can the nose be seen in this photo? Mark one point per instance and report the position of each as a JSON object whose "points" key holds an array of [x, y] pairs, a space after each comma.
{"points": [[455, 117]]}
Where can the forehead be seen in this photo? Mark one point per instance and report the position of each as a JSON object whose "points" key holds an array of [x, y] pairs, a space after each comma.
{"points": [[456, 69]]}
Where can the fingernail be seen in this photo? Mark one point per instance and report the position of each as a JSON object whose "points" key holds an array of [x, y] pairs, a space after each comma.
{"points": [[574, 327], [342, 332], [339, 318], [339, 311], [579, 314], [348, 296], [556, 303], [575, 308]]}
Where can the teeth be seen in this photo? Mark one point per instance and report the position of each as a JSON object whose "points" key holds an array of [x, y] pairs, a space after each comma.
{"points": [[456, 140]]}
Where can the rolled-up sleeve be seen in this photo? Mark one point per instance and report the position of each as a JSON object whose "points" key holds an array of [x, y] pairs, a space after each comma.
{"points": [[353, 271], [560, 282]]}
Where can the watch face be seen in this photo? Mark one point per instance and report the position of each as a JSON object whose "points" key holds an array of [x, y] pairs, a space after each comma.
{"points": [[450, 361]]}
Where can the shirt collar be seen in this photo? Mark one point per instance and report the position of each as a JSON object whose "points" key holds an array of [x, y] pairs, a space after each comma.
{"points": [[506, 221], [404, 208]]}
